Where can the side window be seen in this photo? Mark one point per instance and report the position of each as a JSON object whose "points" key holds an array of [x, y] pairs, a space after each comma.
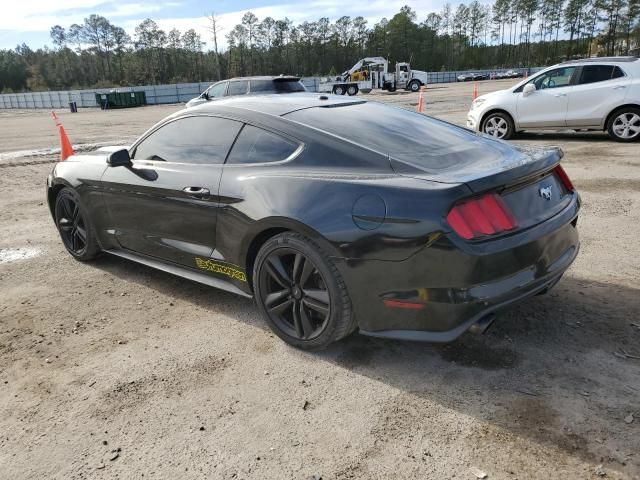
{"points": [[217, 90], [255, 145], [261, 86], [596, 73], [560, 77], [201, 140], [238, 88]]}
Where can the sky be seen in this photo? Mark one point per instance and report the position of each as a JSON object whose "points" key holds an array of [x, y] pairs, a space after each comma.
{"points": [[29, 21]]}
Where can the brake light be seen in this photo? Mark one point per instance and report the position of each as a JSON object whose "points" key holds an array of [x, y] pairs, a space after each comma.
{"points": [[564, 178], [481, 216]]}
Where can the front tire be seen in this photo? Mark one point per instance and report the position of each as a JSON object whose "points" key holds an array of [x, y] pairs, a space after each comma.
{"points": [[300, 293], [624, 125], [414, 86], [498, 125], [74, 227]]}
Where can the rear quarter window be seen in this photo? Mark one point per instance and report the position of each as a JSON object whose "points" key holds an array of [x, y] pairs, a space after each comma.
{"points": [[255, 145]]}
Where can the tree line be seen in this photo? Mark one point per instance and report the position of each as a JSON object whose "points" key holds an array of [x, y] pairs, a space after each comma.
{"points": [[508, 33]]}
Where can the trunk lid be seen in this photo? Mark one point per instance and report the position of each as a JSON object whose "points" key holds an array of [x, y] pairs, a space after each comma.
{"points": [[481, 165], [525, 178]]}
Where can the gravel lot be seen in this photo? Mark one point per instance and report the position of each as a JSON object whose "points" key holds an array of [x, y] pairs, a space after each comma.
{"points": [[114, 370]]}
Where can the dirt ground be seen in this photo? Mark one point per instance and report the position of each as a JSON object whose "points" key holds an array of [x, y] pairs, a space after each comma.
{"points": [[115, 370]]}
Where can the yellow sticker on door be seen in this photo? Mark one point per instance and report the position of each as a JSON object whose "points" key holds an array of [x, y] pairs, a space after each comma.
{"points": [[216, 267]]}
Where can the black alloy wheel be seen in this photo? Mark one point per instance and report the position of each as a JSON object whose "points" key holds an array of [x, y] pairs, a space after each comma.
{"points": [[295, 294], [73, 226], [300, 292]]}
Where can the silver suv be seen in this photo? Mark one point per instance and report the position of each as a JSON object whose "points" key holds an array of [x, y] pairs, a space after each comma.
{"points": [[247, 86]]}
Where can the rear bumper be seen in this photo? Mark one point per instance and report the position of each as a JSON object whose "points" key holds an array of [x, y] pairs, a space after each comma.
{"points": [[500, 295], [447, 287]]}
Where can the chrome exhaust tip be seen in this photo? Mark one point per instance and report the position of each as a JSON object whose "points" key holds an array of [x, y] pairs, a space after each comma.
{"points": [[482, 325]]}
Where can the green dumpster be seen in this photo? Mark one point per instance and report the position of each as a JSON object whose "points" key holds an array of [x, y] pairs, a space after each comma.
{"points": [[120, 99]]}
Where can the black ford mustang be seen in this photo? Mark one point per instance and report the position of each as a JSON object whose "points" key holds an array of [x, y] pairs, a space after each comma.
{"points": [[334, 214]]}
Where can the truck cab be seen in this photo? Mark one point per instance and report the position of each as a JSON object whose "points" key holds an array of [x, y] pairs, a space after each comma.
{"points": [[409, 79]]}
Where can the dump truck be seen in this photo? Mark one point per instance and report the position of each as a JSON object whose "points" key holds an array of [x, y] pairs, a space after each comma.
{"points": [[372, 73]]}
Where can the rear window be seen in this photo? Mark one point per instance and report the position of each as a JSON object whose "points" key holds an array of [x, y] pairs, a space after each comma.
{"points": [[411, 137], [276, 86]]}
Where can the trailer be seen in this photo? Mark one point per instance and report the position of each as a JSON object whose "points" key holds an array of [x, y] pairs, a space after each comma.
{"points": [[372, 73]]}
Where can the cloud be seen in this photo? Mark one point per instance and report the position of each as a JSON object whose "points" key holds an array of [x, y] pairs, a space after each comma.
{"points": [[41, 15]]}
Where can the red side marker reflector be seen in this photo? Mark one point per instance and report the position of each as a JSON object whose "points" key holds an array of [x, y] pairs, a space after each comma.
{"points": [[391, 303], [481, 216]]}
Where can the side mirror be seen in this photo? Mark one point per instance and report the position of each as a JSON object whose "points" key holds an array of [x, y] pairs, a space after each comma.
{"points": [[528, 89], [119, 158], [205, 95]]}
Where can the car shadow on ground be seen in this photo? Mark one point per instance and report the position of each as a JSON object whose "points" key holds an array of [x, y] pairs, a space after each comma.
{"points": [[558, 369], [569, 135]]}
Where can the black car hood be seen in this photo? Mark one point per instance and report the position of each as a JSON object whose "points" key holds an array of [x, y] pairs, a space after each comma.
{"points": [[481, 164]]}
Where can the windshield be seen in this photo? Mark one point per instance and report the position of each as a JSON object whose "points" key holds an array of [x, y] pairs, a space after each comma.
{"points": [[410, 137], [277, 86]]}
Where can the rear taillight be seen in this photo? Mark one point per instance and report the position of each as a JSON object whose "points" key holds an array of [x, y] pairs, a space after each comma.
{"points": [[564, 178], [481, 216]]}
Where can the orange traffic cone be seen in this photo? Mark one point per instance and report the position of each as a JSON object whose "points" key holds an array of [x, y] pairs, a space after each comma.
{"points": [[66, 150], [420, 100], [475, 90]]}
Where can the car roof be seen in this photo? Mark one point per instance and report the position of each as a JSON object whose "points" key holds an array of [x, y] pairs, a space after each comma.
{"points": [[601, 59], [276, 104], [263, 77]]}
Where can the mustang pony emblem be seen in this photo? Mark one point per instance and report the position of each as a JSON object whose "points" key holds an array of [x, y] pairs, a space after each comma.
{"points": [[545, 192]]}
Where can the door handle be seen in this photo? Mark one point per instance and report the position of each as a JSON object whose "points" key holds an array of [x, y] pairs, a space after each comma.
{"points": [[558, 95], [619, 87], [196, 192]]}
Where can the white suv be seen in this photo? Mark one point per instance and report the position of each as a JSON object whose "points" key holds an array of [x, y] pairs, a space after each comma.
{"points": [[590, 94]]}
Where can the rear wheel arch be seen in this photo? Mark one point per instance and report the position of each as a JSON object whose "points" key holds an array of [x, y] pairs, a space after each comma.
{"points": [[263, 235], [612, 113]]}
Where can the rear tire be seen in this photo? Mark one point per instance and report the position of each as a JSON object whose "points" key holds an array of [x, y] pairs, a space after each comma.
{"points": [[339, 90], [74, 226], [624, 125], [352, 90], [498, 125], [300, 292]]}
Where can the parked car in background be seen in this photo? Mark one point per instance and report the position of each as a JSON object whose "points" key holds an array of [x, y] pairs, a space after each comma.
{"points": [[247, 86], [508, 74], [590, 94], [469, 77]]}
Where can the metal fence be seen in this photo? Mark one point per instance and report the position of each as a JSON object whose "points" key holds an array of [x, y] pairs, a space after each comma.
{"points": [[450, 77], [174, 93]]}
